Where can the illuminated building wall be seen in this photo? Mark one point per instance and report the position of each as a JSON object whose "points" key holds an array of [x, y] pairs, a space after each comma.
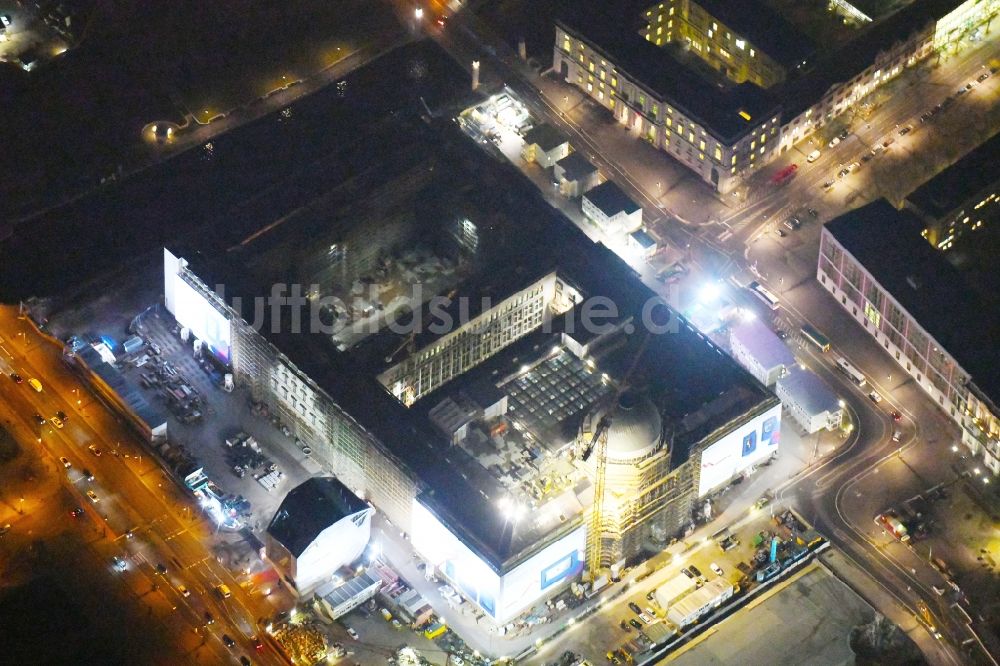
{"points": [[739, 450], [339, 442], [469, 345], [914, 349], [717, 44], [661, 121], [964, 20], [502, 597]]}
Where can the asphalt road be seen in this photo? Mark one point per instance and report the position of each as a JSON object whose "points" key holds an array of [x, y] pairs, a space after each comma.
{"points": [[133, 494]]}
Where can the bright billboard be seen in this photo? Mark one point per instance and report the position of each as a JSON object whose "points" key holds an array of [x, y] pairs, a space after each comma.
{"points": [[740, 449]]}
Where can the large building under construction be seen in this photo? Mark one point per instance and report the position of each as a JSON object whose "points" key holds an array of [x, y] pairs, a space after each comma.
{"points": [[456, 345]]}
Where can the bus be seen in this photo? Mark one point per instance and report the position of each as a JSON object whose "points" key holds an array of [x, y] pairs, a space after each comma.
{"points": [[852, 373], [769, 299], [814, 336]]}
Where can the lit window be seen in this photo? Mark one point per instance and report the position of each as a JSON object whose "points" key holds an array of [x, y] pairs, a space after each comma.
{"points": [[642, 101], [659, 19], [603, 74], [670, 121], [656, 110], [733, 170], [671, 11], [733, 160], [701, 156], [762, 150], [566, 45], [701, 145], [600, 95], [715, 26], [590, 87], [690, 136], [659, 30], [680, 128], [601, 85], [659, 41], [612, 102], [718, 153], [614, 81], [710, 33], [725, 53], [753, 144], [753, 53], [591, 66]]}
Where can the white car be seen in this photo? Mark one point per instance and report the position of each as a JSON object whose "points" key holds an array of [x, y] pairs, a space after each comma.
{"points": [[57, 422], [813, 156], [875, 397], [645, 618], [353, 634], [716, 569], [65, 462], [92, 496], [834, 141]]}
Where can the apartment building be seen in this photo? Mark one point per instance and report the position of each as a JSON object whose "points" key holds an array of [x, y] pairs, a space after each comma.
{"points": [[927, 314]]}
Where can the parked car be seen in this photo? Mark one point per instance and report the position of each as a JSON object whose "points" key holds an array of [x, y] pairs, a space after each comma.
{"points": [[833, 142], [695, 571], [635, 623], [781, 232], [93, 449], [39, 419], [35, 384], [645, 618], [828, 184], [626, 627], [92, 496], [352, 633], [903, 131], [813, 156], [875, 397], [87, 474], [687, 572], [57, 422], [716, 569], [635, 607]]}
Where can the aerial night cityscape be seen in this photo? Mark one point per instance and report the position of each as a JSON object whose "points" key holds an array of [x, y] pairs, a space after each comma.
{"points": [[475, 332]]}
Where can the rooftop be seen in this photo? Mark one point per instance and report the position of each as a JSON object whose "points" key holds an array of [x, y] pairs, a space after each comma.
{"points": [[765, 28], [716, 107], [310, 508], [545, 136], [611, 199], [921, 279], [963, 180], [576, 166], [809, 391], [762, 343]]}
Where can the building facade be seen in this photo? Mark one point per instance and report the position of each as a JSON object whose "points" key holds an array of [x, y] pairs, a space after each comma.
{"points": [[662, 120], [905, 336]]}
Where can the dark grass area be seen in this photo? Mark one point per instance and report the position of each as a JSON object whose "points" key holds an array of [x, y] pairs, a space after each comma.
{"points": [[534, 20], [71, 122], [255, 174], [66, 614], [8, 447]]}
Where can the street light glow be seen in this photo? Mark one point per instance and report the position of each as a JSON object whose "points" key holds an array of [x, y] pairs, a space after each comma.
{"points": [[418, 12]]}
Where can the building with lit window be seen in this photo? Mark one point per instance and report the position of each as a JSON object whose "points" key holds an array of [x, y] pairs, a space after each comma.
{"points": [[840, 79], [611, 209], [935, 320], [746, 41], [446, 379], [809, 401], [635, 59], [719, 133], [962, 199]]}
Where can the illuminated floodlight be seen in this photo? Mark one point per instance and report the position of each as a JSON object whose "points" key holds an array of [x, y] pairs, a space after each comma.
{"points": [[954, 448], [985, 480], [842, 403], [418, 12], [746, 314], [710, 293], [977, 471], [525, 368]]}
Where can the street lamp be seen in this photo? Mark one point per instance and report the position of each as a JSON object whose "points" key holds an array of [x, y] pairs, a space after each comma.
{"points": [[419, 13]]}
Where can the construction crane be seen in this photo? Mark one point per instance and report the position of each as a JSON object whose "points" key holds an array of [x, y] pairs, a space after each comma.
{"points": [[599, 444]]}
